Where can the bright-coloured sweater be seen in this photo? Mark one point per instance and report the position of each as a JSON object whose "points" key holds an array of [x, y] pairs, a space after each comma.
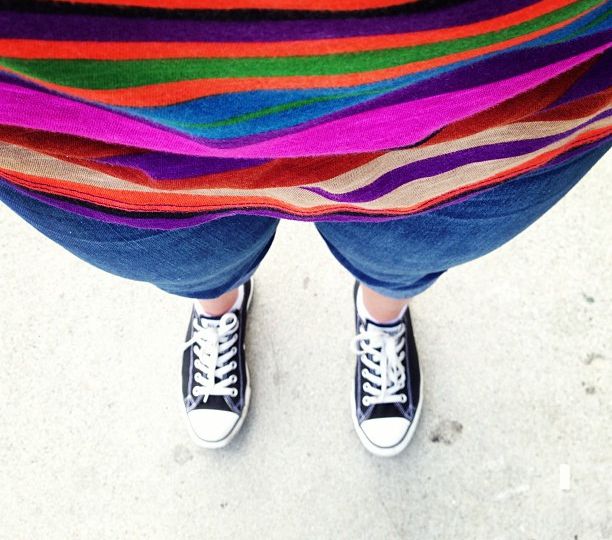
{"points": [[167, 117]]}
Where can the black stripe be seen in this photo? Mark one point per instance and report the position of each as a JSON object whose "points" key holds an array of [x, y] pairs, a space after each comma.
{"points": [[52, 6]]}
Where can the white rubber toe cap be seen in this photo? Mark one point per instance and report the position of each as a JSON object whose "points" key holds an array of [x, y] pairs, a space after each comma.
{"points": [[212, 425], [385, 432]]}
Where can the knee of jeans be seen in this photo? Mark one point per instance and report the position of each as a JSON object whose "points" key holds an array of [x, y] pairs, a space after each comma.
{"points": [[385, 251], [196, 270], [181, 273], [181, 261]]}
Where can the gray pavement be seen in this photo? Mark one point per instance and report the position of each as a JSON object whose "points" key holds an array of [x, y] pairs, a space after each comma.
{"points": [[516, 350]]}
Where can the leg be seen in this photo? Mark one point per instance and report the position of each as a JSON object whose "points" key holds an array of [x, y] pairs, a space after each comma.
{"points": [[398, 259], [201, 262], [208, 261]]}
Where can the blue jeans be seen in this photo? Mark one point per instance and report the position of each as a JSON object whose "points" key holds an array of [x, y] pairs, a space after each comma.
{"points": [[398, 258]]}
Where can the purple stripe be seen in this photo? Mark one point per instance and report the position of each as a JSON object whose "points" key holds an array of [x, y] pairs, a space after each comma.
{"points": [[105, 28], [180, 223], [372, 131], [501, 65], [174, 222], [404, 124], [164, 166], [447, 162], [596, 80], [10, 78]]}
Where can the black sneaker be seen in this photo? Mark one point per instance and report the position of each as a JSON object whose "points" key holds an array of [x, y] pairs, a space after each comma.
{"points": [[387, 397], [215, 375]]}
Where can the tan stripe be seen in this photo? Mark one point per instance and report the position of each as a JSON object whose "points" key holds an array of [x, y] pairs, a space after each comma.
{"points": [[28, 161], [367, 173], [24, 160], [415, 192], [423, 190]]}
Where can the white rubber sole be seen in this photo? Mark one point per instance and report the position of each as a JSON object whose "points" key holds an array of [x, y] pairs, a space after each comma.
{"points": [[227, 439], [388, 451], [202, 443]]}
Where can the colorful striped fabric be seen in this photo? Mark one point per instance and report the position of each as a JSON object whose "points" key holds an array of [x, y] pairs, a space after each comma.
{"points": [[167, 114]]}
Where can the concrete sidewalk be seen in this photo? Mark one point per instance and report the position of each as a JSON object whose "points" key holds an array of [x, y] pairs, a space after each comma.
{"points": [[516, 351]]}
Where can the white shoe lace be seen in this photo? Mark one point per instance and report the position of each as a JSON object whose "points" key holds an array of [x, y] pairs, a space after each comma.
{"points": [[384, 370], [215, 342]]}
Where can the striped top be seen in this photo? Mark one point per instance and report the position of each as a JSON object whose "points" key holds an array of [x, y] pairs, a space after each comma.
{"points": [[167, 114]]}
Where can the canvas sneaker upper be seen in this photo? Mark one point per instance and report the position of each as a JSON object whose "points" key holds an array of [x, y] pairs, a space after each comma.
{"points": [[215, 379], [387, 390]]}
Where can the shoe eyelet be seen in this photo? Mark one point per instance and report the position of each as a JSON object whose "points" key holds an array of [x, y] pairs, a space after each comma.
{"points": [[234, 364], [364, 372], [404, 398], [233, 378], [365, 401], [364, 386], [234, 392]]}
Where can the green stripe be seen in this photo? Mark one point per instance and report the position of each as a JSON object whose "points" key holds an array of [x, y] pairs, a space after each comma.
{"points": [[106, 75], [586, 27]]}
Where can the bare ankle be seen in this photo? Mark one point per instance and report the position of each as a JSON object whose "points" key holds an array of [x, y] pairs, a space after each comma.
{"points": [[220, 305], [382, 308]]}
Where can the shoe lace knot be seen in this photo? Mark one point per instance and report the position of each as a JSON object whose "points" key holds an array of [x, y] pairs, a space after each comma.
{"points": [[381, 352], [215, 347]]}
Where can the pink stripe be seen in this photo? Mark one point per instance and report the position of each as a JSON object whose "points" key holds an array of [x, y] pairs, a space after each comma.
{"points": [[405, 124], [385, 128], [38, 110]]}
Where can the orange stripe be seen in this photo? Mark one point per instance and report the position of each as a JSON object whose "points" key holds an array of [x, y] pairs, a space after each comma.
{"points": [[180, 91], [311, 5], [135, 201], [72, 50]]}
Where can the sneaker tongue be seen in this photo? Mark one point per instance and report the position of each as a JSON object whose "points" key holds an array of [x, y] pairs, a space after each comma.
{"points": [[203, 316], [383, 327], [208, 318], [388, 329]]}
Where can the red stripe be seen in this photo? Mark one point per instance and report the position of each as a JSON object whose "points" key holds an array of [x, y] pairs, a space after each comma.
{"points": [[180, 91], [311, 5], [58, 144]]}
